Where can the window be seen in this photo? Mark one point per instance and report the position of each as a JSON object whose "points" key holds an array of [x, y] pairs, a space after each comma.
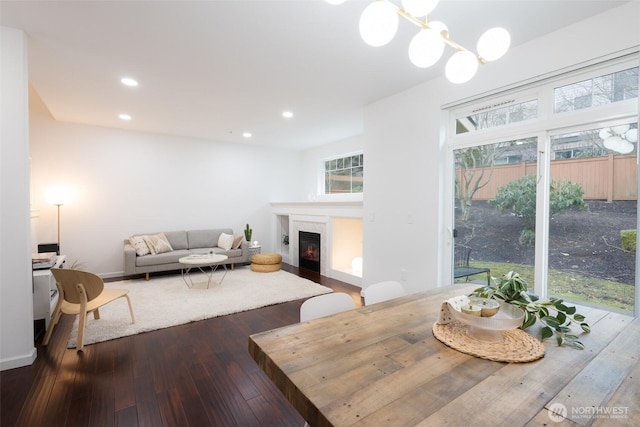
{"points": [[344, 174], [600, 90], [555, 198], [498, 114]]}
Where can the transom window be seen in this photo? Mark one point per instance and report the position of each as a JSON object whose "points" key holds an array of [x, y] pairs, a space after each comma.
{"points": [[499, 114], [344, 174], [600, 90]]}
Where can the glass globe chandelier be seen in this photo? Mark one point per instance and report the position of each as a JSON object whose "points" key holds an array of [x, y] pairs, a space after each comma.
{"points": [[379, 23]]}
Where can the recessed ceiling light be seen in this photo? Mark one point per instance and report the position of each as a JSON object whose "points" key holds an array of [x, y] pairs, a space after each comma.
{"points": [[247, 134], [287, 114], [124, 117], [128, 81]]}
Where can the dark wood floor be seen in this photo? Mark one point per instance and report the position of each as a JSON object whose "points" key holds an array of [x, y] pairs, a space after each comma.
{"points": [[199, 374]]}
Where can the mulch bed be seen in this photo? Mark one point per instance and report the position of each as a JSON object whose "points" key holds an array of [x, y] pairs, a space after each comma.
{"points": [[585, 241]]}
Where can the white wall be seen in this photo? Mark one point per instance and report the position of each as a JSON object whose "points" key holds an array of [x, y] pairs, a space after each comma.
{"points": [[16, 295], [123, 183], [404, 206]]}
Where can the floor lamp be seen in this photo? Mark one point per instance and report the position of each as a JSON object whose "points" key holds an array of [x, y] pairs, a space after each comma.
{"points": [[58, 205], [57, 197]]}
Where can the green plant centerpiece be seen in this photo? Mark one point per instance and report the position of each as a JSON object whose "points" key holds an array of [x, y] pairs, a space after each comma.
{"points": [[247, 233], [556, 316]]}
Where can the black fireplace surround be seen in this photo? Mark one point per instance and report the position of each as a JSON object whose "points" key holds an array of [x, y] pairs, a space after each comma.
{"points": [[309, 244]]}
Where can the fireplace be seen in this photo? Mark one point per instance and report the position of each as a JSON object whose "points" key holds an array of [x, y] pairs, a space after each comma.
{"points": [[309, 256]]}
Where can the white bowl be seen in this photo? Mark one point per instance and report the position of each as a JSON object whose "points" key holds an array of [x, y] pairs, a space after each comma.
{"points": [[489, 328]]}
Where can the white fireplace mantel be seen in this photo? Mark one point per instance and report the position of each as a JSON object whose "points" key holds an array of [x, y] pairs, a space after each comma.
{"points": [[350, 209]]}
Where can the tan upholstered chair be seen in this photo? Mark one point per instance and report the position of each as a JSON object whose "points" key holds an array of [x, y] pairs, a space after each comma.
{"points": [[81, 292]]}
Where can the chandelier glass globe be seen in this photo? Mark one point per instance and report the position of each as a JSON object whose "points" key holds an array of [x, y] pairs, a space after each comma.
{"points": [[426, 48], [461, 67], [378, 23], [493, 44], [419, 8]]}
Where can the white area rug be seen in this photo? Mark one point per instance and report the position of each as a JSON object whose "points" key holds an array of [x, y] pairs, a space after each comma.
{"points": [[167, 301]]}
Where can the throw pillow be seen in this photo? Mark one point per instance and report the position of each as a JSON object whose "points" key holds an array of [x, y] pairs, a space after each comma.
{"points": [[225, 241], [237, 241], [158, 243], [139, 245]]}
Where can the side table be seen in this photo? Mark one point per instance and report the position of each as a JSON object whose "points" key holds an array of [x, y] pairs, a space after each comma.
{"points": [[254, 250], [45, 292]]}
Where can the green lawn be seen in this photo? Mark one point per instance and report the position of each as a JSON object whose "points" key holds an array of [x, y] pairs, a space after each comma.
{"points": [[571, 286]]}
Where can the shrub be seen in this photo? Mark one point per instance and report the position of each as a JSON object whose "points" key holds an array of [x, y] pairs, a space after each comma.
{"points": [[527, 237], [628, 238], [519, 198]]}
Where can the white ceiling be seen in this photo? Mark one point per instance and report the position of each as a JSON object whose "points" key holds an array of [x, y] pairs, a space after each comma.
{"points": [[215, 69]]}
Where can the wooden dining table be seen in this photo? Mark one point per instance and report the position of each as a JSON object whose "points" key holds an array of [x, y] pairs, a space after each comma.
{"points": [[381, 365]]}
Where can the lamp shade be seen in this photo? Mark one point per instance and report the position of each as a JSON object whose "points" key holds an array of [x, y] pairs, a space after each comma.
{"points": [[419, 8], [378, 23], [461, 67], [493, 44], [426, 48], [57, 196]]}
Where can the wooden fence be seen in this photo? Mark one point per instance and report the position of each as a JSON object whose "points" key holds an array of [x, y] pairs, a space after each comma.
{"points": [[602, 178]]}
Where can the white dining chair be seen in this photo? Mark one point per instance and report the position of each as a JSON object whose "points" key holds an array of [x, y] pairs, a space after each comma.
{"points": [[326, 305], [383, 291]]}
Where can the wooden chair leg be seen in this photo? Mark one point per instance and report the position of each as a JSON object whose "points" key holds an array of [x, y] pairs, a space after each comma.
{"points": [[57, 313], [146, 277], [81, 323], [83, 317], [52, 324], [133, 319]]}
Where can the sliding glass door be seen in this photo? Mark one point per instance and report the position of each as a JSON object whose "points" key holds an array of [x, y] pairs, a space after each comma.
{"points": [[494, 215], [592, 255], [545, 183]]}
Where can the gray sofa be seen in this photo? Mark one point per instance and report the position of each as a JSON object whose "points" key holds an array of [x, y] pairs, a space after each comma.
{"points": [[184, 243]]}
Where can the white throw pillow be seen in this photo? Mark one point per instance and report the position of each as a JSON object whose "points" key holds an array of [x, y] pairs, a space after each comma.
{"points": [[139, 245], [225, 241], [158, 243]]}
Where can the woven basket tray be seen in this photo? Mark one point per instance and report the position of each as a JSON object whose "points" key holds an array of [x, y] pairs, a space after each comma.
{"points": [[516, 346]]}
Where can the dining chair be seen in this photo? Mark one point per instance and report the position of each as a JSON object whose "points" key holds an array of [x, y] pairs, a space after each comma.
{"points": [[81, 292], [383, 291], [326, 305]]}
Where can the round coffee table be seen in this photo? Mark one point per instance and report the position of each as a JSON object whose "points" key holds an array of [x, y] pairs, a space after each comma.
{"points": [[200, 262]]}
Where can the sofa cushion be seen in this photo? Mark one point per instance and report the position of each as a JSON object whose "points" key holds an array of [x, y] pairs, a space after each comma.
{"points": [[237, 241], [158, 243], [177, 239], [203, 238], [163, 258], [139, 245], [225, 241]]}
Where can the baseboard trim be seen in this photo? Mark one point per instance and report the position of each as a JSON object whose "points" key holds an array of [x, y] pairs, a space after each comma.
{"points": [[19, 361]]}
